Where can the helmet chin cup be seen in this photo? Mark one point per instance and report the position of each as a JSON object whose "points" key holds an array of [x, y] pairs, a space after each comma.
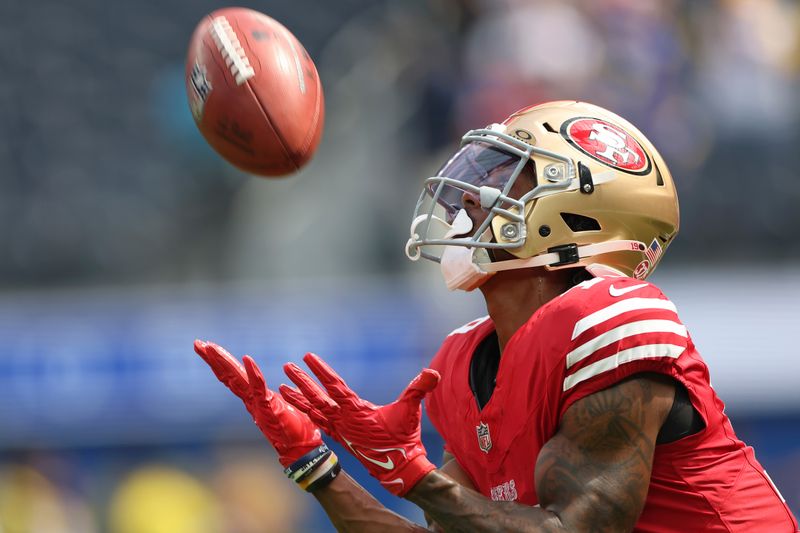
{"points": [[459, 268], [458, 263]]}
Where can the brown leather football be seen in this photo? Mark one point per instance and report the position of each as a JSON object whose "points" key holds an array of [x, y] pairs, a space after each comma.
{"points": [[254, 92]]}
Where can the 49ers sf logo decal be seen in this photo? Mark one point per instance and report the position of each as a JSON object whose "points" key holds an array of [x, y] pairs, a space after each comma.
{"points": [[607, 143]]}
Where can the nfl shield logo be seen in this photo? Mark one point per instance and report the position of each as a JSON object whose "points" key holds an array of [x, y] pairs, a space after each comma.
{"points": [[484, 439]]}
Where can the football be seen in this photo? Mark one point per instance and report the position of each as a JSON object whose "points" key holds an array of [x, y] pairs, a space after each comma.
{"points": [[254, 92]]}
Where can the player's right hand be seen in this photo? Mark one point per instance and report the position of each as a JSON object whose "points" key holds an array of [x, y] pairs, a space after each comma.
{"points": [[290, 431], [386, 439]]}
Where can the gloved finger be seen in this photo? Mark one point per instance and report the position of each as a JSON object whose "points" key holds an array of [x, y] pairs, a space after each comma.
{"points": [[295, 397], [227, 369], [260, 394], [317, 397], [425, 382], [258, 385], [333, 383], [218, 358], [264, 399]]}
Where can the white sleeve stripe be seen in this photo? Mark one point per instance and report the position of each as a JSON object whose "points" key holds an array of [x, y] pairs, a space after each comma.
{"points": [[620, 358], [774, 487], [616, 309], [626, 330], [469, 326]]}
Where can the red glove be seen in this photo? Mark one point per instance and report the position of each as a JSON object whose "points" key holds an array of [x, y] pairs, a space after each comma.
{"points": [[386, 439], [291, 432]]}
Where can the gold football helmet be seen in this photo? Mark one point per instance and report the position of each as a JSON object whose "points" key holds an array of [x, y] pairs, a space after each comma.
{"points": [[564, 184]]}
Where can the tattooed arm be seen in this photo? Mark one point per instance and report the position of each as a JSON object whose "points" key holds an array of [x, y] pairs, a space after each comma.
{"points": [[592, 476]]}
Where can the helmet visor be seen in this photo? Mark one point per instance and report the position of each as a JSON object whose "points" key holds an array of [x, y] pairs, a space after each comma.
{"points": [[478, 164]]}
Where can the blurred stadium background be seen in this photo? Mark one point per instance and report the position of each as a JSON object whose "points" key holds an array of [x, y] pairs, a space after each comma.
{"points": [[124, 237]]}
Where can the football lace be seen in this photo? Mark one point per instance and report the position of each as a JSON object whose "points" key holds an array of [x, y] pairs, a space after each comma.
{"points": [[231, 50]]}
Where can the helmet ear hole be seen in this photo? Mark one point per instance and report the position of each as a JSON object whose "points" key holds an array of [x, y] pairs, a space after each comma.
{"points": [[579, 223]]}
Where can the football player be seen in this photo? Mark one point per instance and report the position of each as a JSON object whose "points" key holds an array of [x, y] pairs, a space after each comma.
{"points": [[580, 402]]}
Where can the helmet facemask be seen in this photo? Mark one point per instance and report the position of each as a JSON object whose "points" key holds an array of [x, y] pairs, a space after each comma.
{"points": [[490, 167]]}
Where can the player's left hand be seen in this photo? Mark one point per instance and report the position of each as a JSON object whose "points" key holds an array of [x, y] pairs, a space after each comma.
{"points": [[386, 439]]}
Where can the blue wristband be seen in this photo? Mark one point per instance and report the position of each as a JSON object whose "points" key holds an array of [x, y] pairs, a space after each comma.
{"points": [[306, 464]]}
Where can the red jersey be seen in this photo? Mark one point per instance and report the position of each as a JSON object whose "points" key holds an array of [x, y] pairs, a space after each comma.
{"points": [[581, 342]]}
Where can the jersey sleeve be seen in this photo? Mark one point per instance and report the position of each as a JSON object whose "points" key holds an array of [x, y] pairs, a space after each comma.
{"points": [[618, 328]]}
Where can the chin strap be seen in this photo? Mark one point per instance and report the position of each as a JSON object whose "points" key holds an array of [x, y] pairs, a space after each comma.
{"points": [[564, 255]]}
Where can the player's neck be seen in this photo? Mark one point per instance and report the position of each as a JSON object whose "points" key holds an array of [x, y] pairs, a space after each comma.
{"points": [[513, 296]]}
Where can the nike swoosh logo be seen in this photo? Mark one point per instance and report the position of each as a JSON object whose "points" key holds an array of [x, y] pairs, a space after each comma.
{"points": [[388, 464], [613, 291], [397, 481]]}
